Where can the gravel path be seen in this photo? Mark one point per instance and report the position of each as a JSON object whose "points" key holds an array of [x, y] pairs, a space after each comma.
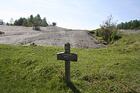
{"points": [[50, 36]]}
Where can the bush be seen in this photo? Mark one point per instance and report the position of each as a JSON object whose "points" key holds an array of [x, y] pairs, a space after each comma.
{"points": [[99, 32], [35, 27], [54, 24], [108, 31]]}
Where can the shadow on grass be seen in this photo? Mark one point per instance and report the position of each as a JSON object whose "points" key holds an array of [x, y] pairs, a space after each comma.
{"points": [[72, 87]]}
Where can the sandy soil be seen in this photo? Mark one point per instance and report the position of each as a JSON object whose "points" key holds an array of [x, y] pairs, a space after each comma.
{"points": [[130, 31], [50, 36]]}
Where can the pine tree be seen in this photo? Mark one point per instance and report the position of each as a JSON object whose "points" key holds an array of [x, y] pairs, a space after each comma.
{"points": [[44, 22]]}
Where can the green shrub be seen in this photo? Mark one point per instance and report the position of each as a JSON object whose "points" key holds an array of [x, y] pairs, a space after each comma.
{"points": [[108, 31], [99, 33]]}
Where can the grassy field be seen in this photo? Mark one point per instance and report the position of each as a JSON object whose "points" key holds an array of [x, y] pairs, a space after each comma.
{"points": [[35, 69]]}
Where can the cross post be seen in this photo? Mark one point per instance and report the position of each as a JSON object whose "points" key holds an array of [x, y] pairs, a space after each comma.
{"points": [[67, 63], [67, 56]]}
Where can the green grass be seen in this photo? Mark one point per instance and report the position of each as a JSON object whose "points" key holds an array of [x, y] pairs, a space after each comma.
{"points": [[114, 69]]}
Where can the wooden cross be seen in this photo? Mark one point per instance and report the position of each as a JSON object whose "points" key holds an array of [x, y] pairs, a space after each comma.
{"points": [[67, 56]]}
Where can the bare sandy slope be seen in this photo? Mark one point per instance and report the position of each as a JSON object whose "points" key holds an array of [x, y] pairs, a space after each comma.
{"points": [[130, 31], [55, 36]]}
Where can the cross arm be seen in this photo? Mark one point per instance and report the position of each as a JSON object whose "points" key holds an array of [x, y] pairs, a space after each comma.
{"points": [[67, 57]]}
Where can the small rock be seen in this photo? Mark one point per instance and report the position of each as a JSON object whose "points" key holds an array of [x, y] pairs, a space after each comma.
{"points": [[33, 44]]}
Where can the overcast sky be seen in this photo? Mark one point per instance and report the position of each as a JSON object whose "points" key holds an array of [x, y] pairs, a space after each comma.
{"points": [[79, 14]]}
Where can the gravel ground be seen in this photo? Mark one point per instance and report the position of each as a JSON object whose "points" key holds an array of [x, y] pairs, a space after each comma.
{"points": [[50, 36]]}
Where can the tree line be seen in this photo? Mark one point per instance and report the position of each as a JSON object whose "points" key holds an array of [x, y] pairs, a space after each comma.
{"points": [[31, 21], [133, 24]]}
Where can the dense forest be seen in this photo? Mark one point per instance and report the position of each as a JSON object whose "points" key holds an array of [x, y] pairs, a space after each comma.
{"points": [[133, 24]]}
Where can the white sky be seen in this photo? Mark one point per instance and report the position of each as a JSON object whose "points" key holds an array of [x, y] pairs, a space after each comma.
{"points": [[79, 14]]}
